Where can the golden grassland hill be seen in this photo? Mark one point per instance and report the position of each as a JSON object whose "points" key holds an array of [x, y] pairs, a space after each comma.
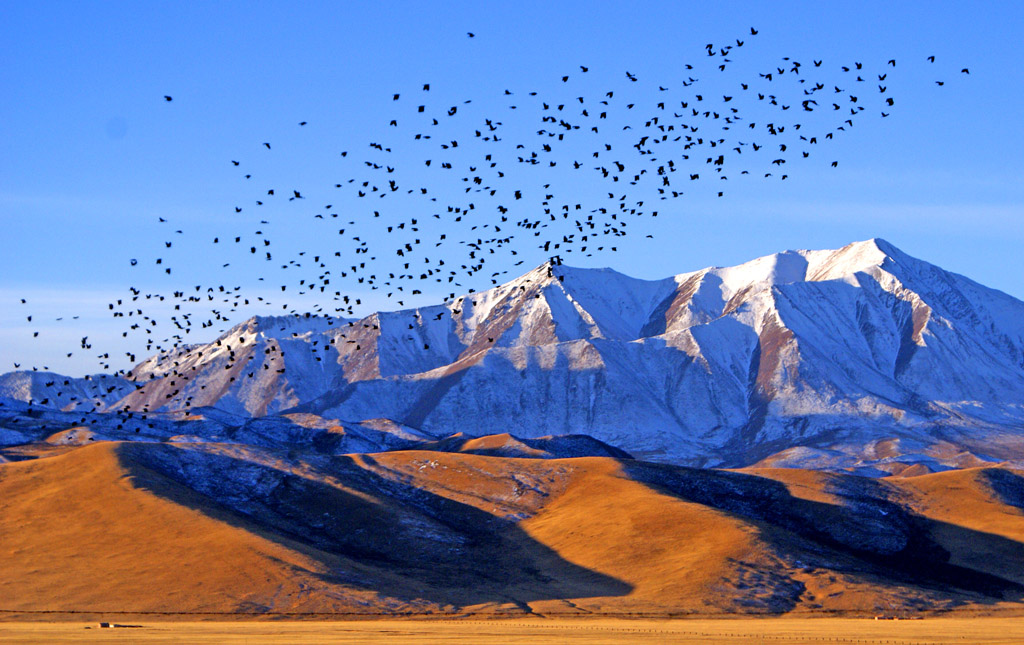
{"points": [[209, 527]]}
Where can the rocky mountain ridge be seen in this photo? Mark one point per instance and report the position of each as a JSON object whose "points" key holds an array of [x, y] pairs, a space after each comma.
{"points": [[815, 357]]}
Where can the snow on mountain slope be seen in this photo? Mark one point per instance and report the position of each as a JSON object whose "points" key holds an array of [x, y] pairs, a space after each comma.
{"points": [[94, 392], [830, 350]]}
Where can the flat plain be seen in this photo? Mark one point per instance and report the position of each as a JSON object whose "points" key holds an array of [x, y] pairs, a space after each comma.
{"points": [[988, 630]]}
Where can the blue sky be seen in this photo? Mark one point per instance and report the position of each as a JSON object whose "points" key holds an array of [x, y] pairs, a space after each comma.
{"points": [[92, 156]]}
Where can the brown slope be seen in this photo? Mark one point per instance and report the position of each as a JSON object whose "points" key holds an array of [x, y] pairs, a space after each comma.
{"points": [[83, 531], [508, 445], [671, 556], [206, 528], [209, 527], [97, 530], [677, 556], [954, 538], [990, 501]]}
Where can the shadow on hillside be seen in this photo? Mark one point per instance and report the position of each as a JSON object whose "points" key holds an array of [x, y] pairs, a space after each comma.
{"points": [[369, 532], [867, 536], [1007, 486]]}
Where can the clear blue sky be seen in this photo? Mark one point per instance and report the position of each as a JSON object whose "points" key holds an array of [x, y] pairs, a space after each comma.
{"points": [[91, 155]]}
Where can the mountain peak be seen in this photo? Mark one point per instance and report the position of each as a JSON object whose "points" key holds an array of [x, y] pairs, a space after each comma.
{"points": [[778, 268], [864, 256], [875, 249], [283, 326], [882, 245]]}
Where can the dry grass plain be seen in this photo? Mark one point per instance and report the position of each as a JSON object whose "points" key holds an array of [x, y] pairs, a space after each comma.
{"points": [[1000, 630]]}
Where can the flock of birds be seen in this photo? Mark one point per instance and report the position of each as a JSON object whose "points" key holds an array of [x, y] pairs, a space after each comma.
{"points": [[457, 192]]}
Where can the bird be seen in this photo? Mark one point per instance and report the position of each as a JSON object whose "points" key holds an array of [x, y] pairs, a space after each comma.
{"points": [[470, 191], [168, 98]]}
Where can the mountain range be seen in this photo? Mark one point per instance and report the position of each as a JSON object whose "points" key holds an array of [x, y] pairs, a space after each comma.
{"points": [[861, 358]]}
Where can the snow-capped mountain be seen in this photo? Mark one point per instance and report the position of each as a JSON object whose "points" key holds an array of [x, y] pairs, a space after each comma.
{"points": [[827, 351]]}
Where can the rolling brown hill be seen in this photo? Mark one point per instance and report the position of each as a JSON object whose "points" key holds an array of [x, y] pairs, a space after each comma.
{"points": [[205, 527]]}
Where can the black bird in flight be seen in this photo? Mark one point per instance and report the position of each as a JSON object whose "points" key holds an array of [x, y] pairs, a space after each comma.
{"points": [[658, 131], [167, 98]]}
